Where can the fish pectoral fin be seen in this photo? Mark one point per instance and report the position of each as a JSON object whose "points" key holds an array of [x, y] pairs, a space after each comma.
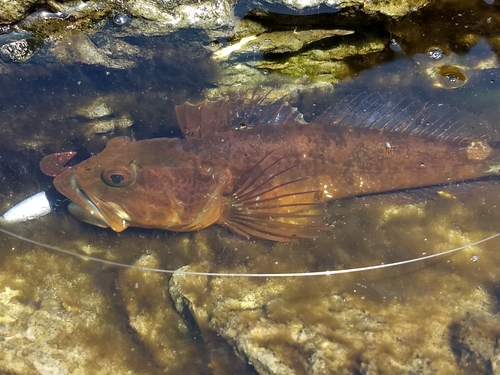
{"points": [[271, 202], [275, 227]]}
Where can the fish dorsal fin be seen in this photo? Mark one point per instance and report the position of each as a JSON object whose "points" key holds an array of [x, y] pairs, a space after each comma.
{"points": [[403, 114], [272, 202], [236, 112]]}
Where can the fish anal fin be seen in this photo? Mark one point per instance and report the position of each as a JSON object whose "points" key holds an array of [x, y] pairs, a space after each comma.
{"points": [[239, 111], [272, 201]]}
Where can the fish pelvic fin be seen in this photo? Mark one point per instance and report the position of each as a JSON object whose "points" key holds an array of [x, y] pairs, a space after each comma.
{"points": [[272, 202]]}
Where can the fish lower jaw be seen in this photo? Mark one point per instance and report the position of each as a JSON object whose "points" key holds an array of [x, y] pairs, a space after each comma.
{"points": [[114, 215], [106, 215], [119, 211], [89, 217]]}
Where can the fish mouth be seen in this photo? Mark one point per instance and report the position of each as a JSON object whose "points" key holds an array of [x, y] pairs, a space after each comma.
{"points": [[93, 211]]}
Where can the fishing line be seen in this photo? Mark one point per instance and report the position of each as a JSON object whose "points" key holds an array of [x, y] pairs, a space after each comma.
{"points": [[229, 274]]}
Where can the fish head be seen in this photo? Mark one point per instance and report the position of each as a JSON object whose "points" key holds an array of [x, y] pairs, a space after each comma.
{"points": [[148, 184]]}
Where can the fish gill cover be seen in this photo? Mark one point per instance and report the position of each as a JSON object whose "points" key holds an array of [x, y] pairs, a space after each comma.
{"points": [[78, 88]]}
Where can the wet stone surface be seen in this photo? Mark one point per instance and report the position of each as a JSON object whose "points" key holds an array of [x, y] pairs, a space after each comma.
{"points": [[473, 342], [52, 319], [363, 322], [76, 73]]}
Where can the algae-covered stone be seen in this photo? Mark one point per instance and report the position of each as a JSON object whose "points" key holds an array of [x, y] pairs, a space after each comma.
{"points": [[208, 15], [169, 335], [394, 8], [99, 107], [279, 42], [102, 117], [81, 49], [62, 20], [474, 340], [108, 125], [152, 316], [327, 64], [14, 10], [378, 322], [289, 327], [54, 321]]}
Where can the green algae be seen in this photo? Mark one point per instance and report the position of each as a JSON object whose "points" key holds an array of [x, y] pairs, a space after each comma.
{"points": [[335, 313], [150, 312], [65, 322], [327, 64], [431, 317]]}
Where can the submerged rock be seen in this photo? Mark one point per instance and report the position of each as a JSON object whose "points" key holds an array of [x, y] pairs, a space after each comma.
{"points": [[327, 64], [379, 322], [116, 54], [278, 42], [151, 315], [113, 72], [54, 322], [12, 11], [68, 19], [290, 327], [474, 340], [215, 17], [19, 50]]}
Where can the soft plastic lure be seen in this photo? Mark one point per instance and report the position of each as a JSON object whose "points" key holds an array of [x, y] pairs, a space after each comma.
{"points": [[31, 208], [54, 164], [38, 205]]}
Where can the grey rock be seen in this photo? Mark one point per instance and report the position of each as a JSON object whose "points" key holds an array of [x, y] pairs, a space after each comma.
{"points": [[215, 17], [394, 8], [16, 51]]}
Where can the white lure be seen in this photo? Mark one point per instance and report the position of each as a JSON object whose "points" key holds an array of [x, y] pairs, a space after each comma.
{"points": [[31, 208]]}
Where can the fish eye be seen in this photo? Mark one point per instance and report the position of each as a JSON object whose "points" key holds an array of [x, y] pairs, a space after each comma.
{"points": [[119, 177]]}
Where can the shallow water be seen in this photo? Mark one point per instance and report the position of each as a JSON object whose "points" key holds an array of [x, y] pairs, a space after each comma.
{"points": [[125, 318]]}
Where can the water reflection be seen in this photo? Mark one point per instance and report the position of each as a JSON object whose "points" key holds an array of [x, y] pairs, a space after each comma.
{"points": [[131, 311]]}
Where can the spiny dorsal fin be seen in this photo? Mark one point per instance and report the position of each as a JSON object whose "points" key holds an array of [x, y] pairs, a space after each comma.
{"points": [[403, 114], [234, 113], [272, 203]]}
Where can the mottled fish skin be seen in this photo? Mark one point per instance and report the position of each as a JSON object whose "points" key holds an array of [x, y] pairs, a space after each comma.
{"points": [[267, 181]]}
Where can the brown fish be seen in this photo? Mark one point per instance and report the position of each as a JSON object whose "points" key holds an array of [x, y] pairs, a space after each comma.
{"points": [[258, 169]]}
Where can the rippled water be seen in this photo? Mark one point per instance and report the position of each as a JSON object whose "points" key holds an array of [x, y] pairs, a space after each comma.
{"points": [[45, 108]]}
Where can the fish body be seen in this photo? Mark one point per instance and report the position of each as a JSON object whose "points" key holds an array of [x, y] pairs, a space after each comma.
{"points": [[259, 170]]}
